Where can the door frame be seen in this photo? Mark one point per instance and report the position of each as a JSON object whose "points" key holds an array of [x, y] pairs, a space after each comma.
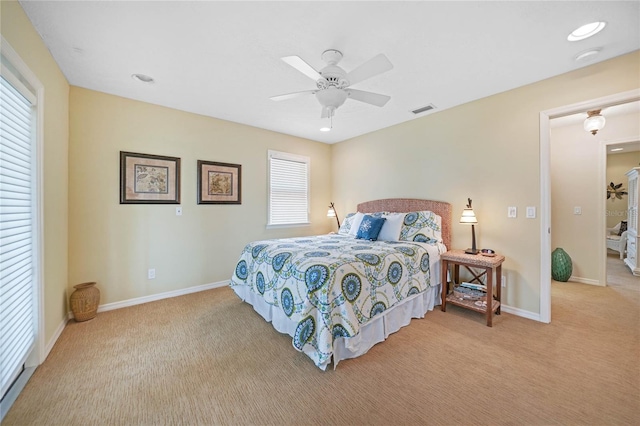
{"points": [[545, 188]]}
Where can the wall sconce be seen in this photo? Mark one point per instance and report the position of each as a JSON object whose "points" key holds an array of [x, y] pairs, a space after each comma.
{"points": [[332, 213], [594, 121], [469, 218]]}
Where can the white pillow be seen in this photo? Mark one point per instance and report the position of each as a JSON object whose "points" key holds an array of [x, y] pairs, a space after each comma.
{"points": [[391, 229], [357, 220]]}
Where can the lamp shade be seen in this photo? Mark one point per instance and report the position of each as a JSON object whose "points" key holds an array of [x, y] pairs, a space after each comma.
{"points": [[594, 122], [331, 213], [468, 217]]}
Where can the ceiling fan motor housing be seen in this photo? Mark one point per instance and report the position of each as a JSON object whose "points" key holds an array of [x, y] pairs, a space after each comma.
{"points": [[332, 76]]}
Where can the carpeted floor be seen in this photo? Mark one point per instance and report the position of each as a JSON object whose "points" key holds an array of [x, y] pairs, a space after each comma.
{"points": [[207, 358]]}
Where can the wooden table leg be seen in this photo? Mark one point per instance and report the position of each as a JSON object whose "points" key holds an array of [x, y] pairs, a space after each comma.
{"points": [[445, 286], [499, 285], [489, 297]]}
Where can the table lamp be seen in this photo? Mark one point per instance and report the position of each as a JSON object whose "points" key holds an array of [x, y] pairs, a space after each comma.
{"points": [[469, 217], [332, 213]]}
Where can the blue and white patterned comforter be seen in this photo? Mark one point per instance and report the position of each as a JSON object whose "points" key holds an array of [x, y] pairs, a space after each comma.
{"points": [[331, 285]]}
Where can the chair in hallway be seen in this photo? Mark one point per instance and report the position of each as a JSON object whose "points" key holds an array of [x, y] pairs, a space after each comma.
{"points": [[617, 240]]}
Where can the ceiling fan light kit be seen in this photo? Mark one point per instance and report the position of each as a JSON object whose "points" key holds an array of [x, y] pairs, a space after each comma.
{"points": [[333, 83]]}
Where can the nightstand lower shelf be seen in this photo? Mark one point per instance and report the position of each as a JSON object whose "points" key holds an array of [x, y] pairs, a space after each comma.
{"points": [[471, 304]]}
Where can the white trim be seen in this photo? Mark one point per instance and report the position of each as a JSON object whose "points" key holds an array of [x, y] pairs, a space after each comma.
{"points": [[602, 202], [520, 312], [589, 281], [545, 186], [156, 297], [55, 337]]}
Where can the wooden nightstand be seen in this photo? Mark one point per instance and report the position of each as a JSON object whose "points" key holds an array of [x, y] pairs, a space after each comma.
{"points": [[491, 266]]}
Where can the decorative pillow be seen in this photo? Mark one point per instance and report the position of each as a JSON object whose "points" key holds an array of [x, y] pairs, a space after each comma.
{"points": [[623, 227], [423, 226], [391, 229], [370, 227], [355, 225], [346, 224]]}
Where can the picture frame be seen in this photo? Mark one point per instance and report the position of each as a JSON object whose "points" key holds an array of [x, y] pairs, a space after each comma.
{"points": [[149, 179], [219, 183]]}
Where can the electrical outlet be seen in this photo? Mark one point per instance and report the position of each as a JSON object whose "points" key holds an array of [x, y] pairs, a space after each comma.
{"points": [[151, 274], [179, 211], [512, 211]]}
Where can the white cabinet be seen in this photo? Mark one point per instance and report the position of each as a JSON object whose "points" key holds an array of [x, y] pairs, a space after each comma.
{"points": [[633, 254]]}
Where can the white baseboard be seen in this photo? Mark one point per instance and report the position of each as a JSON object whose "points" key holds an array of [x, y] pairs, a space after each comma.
{"points": [[155, 297], [585, 281], [521, 313], [54, 338]]}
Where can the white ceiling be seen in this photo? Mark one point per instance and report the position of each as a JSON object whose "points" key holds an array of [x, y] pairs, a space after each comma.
{"points": [[222, 59]]}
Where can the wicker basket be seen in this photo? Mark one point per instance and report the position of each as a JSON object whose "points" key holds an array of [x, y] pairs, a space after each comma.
{"points": [[84, 301], [465, 293]]}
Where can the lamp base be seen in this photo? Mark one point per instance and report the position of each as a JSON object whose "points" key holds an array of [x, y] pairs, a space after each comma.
{"points": [[472, 251]]}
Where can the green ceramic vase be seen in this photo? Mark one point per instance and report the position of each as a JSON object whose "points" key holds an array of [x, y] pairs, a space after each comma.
{"points": [[561, 265]]}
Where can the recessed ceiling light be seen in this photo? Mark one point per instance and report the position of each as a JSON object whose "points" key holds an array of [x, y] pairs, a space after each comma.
{"points": [[586, 31], [587, 55], [143, 78], [616, 149]]}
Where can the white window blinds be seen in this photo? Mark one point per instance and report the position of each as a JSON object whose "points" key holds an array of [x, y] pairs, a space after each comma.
{"points": [[17, 325], [288, 189]]}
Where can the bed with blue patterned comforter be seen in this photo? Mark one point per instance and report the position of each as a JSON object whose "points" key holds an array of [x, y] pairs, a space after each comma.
{"points": [[326, 288]]}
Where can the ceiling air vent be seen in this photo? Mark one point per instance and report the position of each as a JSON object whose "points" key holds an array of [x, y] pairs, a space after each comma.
{"points": [[424, 109]]}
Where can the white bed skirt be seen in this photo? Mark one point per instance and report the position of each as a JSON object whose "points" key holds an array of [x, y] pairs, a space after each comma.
{"points": [[375, 331]]}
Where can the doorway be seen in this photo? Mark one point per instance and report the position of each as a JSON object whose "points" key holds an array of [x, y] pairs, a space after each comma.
{"points": [[545, 190]]}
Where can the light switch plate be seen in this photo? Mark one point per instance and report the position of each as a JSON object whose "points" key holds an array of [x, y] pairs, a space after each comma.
{"points": [[531, 212], [512, 211], [577, 210]]}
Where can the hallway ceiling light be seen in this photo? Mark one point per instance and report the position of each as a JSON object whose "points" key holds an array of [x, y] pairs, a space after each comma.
{"points": [[586, 31], [594, 121]]}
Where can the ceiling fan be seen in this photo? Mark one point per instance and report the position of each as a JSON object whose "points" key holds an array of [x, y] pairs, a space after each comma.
{"points": [[334, 84]]}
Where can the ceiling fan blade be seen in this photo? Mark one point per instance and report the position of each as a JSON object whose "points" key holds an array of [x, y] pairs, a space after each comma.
{"points": [[374, 66], [303, 67], [368, 97], [292, 95]]}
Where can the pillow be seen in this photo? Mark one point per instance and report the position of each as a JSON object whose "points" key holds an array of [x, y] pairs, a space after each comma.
{"points": [[423, 226], [391, 229], [355, 225], [346, 224], [370, 227], [623, 227]]}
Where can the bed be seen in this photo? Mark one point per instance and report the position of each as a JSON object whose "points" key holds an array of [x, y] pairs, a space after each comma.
{"points": [[337, 295]]}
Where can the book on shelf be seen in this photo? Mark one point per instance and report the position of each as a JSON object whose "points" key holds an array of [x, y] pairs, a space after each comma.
{"points": [[474, 286]]}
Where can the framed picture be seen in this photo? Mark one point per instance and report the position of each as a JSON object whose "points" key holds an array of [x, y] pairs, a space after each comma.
{"points": [[149, 179], [219, 183]]}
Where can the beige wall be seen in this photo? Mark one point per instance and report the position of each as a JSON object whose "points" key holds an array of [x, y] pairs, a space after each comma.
{"points": [[487, 150], [617, 166], [114, 244], [576, 159], [18, 31]]}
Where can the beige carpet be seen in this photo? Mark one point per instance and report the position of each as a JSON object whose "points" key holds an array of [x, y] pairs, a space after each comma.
{"points": [[207, 358]]}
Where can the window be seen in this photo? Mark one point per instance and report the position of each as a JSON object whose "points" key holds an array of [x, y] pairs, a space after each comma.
{"points": [[288, 189], [19, 218]]}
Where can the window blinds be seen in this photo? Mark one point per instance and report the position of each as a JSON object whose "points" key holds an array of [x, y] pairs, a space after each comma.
{"points": [[17, 325], [288, 189]]}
